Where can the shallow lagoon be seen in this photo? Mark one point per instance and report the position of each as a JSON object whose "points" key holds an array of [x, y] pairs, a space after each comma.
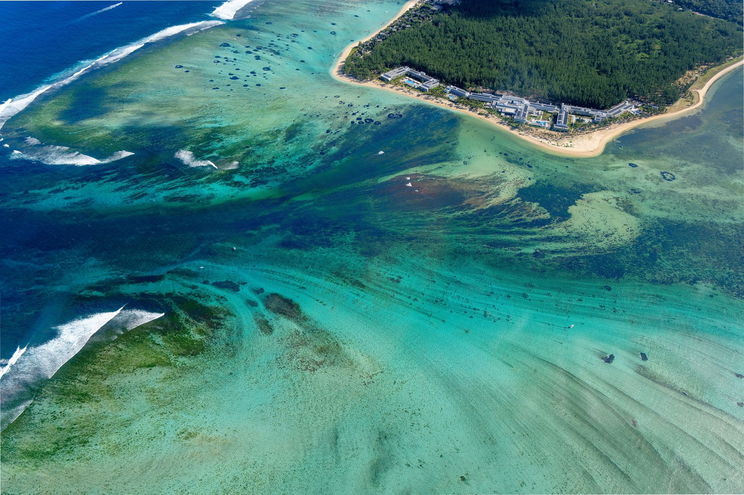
{"points": [[330, 328]]}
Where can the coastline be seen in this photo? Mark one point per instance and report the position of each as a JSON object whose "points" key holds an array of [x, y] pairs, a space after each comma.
{"points": [[585, 145]]}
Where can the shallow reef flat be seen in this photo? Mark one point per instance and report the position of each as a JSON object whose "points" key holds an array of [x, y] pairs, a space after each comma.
{"points": [[395, 378], [361, 293]]}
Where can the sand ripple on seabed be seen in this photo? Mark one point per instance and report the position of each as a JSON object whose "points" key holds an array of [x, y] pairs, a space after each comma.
{"points": [[488, 386]]}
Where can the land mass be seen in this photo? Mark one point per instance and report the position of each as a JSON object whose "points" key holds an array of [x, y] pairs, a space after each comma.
{"points": [[584, 143]]}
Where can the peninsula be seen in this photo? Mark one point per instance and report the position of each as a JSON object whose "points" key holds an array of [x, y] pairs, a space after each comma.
{"points": [[559, 127]]}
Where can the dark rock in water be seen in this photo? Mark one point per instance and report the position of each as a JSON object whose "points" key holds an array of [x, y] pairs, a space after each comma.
{"points": [[227, 284], [263, 325], [225, 45], [369, 121], [144, 279], [266, 68], [377, 122], [216, 87], [187, 71], [394, 115], [740, 404], [282, 87], [635, 191], [667, 176], [284, 306], [258, 291], [179, 66], [608, 358], [333, 33], [252, 303], [738, 375], [633, 165], [234, 78], [257, 57], [644, 357], [258, 84]]}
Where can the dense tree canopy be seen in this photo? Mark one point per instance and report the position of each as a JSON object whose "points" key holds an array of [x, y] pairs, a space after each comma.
{"points": [[587, 52], [723, 9]]}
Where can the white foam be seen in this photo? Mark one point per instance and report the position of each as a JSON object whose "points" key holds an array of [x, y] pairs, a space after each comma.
{"points": [[187, 157], [13, 106], [29, 367], [62, 155], [13, 359], [228, 9], [99, 11]]}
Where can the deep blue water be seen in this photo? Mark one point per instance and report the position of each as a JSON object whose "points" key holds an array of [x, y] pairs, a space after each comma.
{"points": [[40, 39]]}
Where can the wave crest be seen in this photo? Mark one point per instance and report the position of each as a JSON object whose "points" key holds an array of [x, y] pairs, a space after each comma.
{"points": [[13, 106], [28, 368], [229, 9]]}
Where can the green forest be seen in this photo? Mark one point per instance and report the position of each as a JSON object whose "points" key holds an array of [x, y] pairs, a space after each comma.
{"points": [[586, 52], [724, 9]]}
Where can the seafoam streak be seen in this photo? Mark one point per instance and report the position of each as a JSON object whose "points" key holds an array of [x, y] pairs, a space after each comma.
{"points": [[187, 157], [99, 11], [15, 105], [62, 155]]}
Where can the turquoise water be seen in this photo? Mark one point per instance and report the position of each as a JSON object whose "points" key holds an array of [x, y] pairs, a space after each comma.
{"points": [[430, 319]]}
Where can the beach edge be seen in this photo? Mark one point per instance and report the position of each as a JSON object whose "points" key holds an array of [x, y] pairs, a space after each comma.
{"points": [[586, 145]]}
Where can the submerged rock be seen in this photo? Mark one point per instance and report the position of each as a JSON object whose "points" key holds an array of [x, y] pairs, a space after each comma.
{"points": [[263, 325], [284, 306], [227, 284], [608, 358], [633, 165], [644, 357], [667, 176]]}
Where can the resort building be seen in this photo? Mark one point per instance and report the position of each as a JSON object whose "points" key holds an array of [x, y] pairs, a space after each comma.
{"points": [[561, 121], [416, 79], [459, 92], [521, 109], [392, 74]]}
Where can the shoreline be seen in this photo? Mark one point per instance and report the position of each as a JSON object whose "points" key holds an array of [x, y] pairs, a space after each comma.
{"points": [[585, 145]]}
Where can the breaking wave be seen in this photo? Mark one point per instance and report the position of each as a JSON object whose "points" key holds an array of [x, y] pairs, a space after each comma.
{"points": [[13, 359], [15, 105], [187, 157], [27, 369], [61, 155], [228, 9]]}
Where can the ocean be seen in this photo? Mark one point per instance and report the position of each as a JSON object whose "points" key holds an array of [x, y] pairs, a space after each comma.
{"points": [[42, 39], [226, 271]]}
